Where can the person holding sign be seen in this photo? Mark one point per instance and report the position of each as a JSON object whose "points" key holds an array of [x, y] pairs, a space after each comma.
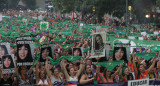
{"points": [[99, 45], [119, 53], [3, 50], [24, 53], [7, 62]]}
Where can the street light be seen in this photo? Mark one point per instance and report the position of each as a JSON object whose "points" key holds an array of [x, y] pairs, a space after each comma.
{"points": [[129, 8], [147, 16], [94, 8]]}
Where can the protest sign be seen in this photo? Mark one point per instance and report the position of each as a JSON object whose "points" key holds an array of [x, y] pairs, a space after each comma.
{"points": [[98, 45], [5, 49], [8, 64], [44, 25], [121, 51], [140, 82], [25, 52], [77, 51], [46, 51]]}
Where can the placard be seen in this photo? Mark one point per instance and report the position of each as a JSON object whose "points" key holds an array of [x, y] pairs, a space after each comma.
{"points": [[98, 45], [140, 82]]}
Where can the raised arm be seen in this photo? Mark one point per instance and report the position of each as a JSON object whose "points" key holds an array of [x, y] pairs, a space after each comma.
{"points": [[64, 70], [98, 72], [47, 69], [134, 64], [37, 72], [113, 75], [82, 64], [153, 64]]}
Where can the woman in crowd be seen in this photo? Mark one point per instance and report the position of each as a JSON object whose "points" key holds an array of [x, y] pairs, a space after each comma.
{"points": [[140, 71], [72, 75], [41, 77], [54, 75], [108, 77]]}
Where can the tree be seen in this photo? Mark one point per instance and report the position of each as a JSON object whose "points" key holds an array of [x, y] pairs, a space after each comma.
{"points": [[115, 7], [31, 4]]}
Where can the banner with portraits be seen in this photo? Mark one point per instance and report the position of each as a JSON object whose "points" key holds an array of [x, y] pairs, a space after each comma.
{"points": [[121, 51], [8, 64], [98, 45], [46, 50], [25, 51], [4, 49]]}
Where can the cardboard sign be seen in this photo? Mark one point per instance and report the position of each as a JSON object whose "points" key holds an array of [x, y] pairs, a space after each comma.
{"points": [[140, 82]]}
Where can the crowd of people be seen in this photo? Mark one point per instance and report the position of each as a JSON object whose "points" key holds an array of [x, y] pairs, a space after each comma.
{"points": [[76, 43]]}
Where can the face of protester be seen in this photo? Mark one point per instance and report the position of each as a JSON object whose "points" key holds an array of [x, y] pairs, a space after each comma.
{"points": [[88, 69], [141, 68], [119, 54], [7, 62], [89, 62], [22, 52], [108, 73], [2, 52], [110, 58], [71, 72], [99, 40], [45, 53], [76, 52], [42, 74], [126, 71], [56, 72], [5, 76]]}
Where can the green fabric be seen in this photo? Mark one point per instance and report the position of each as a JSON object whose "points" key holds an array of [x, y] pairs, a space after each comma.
{"points": [[55, 62], [66, 33], [146, 56], [13, 44], [37, 45], [37, 56], [111, 53], [110, 65], [73, 40], [59, 40], [66, 46], [72, 58], [85, 49], [155, 48]]}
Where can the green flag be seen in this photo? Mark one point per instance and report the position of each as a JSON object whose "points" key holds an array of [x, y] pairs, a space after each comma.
{"points": [[155, 48], [59, 40], [146, 56], [85, 49], [110, 65], [72, 58], [67, 46]]}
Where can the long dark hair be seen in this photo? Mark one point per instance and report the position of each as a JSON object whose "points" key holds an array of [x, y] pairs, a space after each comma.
{"points": [[79, 49], [11, 64], [124, 55], [97, 46], [138, 75], [28, 57], [50, 53], [5, 49]]}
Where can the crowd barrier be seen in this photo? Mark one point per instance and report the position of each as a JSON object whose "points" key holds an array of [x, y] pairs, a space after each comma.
{"points": [[71, 83]]}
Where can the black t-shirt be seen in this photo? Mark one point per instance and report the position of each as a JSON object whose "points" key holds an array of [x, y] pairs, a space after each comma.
{"points": [[8, 82]]}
